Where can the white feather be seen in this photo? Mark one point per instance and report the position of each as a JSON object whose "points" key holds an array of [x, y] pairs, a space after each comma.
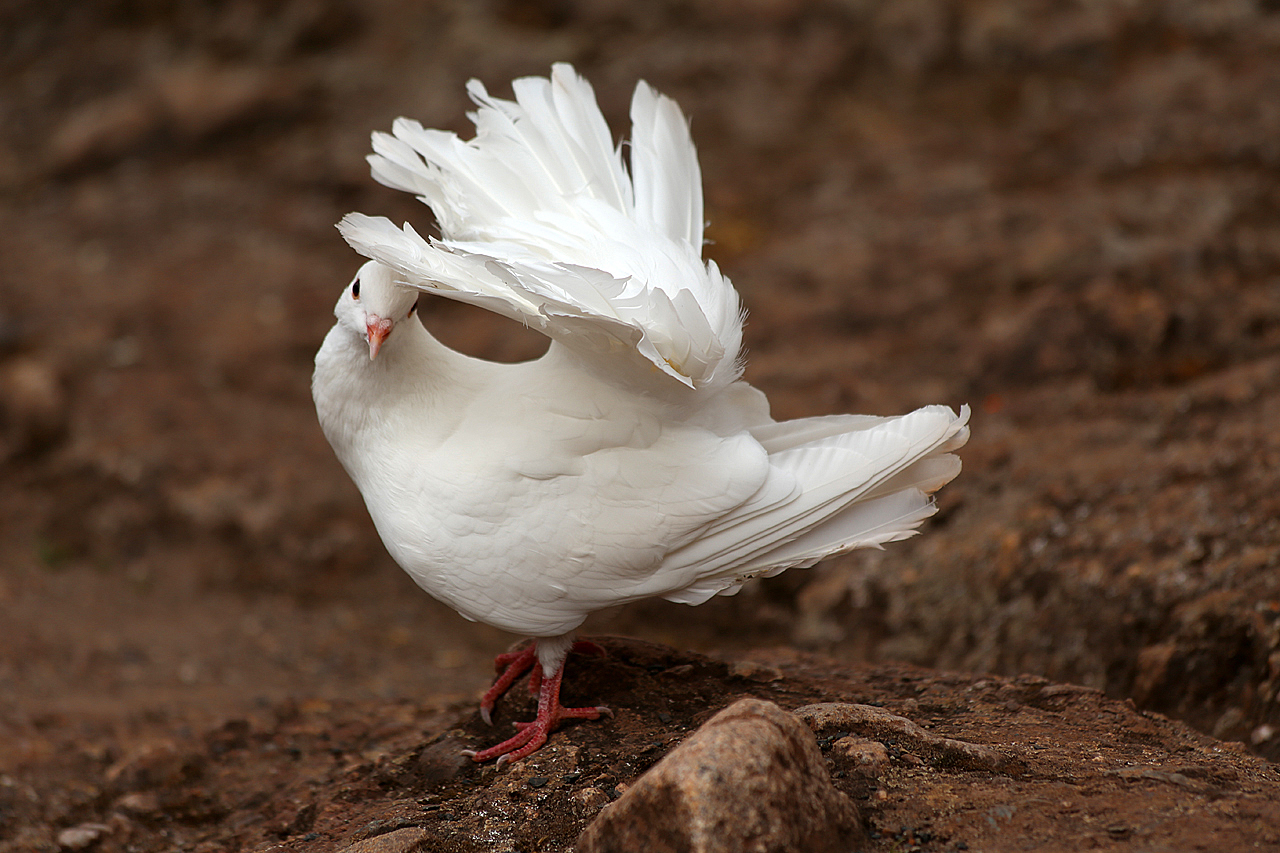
{"points": [[539, 196], [630, 461]]}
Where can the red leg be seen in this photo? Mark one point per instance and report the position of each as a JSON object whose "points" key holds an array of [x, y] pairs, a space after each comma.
{"points": [[511, 666], [535, 677], [533, 735]]}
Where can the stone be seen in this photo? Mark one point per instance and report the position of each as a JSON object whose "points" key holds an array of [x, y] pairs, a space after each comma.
{"points": [[33, 407], [750, 780], [411, 839], [139, 803], [441, 761], [82, 836], [158, 764], [588, 802], [878, 724], [866, 757]]}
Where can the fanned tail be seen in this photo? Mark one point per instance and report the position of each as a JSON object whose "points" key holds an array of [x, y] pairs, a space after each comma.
{"points": [[541, 222], [664, 165]]}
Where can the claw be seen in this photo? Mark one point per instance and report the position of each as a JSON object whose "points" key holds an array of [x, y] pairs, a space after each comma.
{"points": [[532, 735], [511, 665]]}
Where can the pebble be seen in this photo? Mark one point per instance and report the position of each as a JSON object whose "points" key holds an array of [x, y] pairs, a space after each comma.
{"points": [[867, 756], [587, 802], [33, 407], [411, 839], [80, 837]]}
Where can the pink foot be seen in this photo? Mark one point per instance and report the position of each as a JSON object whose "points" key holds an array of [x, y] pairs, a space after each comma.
{"points": [[512, 665], [550, 712], [533, 735]]}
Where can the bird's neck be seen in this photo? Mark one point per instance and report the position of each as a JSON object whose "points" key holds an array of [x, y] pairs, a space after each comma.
{"points": [[357, 397], [411, 362]]}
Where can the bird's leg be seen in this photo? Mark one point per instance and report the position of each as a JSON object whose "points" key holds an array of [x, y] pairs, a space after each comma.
{"points": [[535, 677], [551, 713], [510, 666]]}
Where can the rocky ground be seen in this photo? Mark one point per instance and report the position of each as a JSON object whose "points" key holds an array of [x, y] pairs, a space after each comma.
{"points": [[999, 764], [1066, 215]]}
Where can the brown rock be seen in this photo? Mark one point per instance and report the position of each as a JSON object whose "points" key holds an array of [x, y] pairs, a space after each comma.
{"points": [[751, 779], [868, 757], [139, 803], [158, 764], [411, 839], [33, 407], [441, 761], [588, 801], [877, 723], [82, 836]]}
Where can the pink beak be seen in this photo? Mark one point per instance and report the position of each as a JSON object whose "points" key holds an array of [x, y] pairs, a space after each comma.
{"points": [[376, 330]]}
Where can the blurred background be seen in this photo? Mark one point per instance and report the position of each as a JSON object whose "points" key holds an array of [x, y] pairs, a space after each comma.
{"points": [[1065, 214]]}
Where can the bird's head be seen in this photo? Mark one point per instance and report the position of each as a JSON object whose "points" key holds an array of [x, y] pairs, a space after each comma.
{"points": [[373, 304]]}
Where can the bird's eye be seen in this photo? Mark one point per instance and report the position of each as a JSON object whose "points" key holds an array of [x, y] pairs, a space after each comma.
{"points": [[355, 289]]}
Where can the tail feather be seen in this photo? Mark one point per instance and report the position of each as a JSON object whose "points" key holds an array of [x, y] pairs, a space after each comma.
{"points": [[539, 207], [869, 524], [664, 166], [860, 488]]}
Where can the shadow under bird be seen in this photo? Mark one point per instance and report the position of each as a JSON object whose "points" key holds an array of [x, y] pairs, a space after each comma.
{"points": [[629, 461]]}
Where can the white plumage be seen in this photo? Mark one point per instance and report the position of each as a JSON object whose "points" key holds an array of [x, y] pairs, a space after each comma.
{"points": [[630, 461]]}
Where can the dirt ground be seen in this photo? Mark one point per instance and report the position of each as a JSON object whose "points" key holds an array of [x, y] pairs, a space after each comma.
{"points": [[1064, 214]]}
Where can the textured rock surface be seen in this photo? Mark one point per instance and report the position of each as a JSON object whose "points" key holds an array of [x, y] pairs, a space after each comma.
{"points": [[877, 724], [411, 839], [932, 761], [751, 779]]}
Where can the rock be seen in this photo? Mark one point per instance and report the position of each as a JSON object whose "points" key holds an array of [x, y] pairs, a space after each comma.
{"points": [[303, 820], [751, 779], [588, 801], [755, 671], [80, 837], [139, 803], [33, 407], [411, 839], [529, 797], [879, 724], [441, 761], [867, 757], [158, 764], [1154, 666]]}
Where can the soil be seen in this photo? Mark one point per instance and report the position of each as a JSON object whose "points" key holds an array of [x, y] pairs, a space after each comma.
{"points": [[1066, 215]]}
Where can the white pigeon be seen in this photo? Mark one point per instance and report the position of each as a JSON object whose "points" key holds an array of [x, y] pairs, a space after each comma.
{"points": [[631, 460]]}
